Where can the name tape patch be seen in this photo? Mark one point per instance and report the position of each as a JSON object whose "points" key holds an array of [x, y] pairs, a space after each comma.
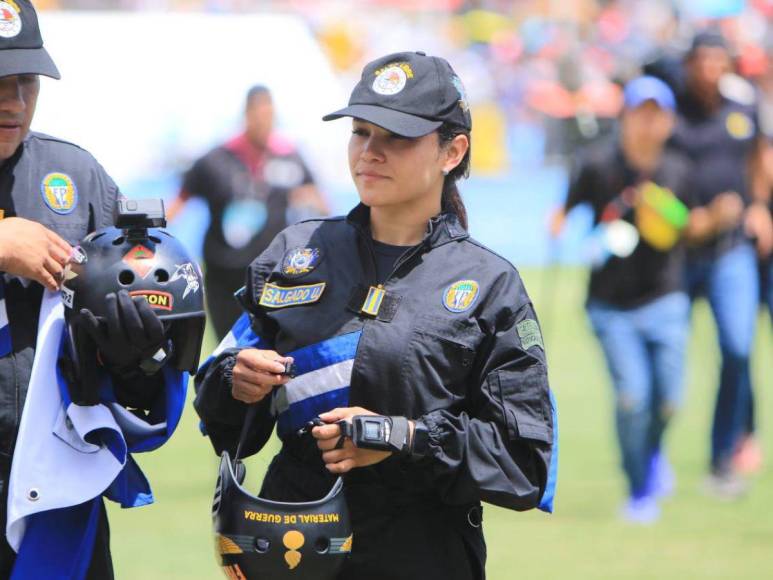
{"points": [[156, 299], [274, 296]]}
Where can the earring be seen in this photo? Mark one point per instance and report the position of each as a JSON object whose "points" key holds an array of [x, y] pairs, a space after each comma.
{"points": [[446, 172]]}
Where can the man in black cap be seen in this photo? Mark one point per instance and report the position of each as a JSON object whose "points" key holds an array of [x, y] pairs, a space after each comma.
{"points": [[255, 185], [722, 138], [52, 193]]}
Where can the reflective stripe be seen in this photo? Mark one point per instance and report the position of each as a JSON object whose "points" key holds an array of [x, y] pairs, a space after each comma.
{"points": [[241, 334], [303, 411], [315, 383]]}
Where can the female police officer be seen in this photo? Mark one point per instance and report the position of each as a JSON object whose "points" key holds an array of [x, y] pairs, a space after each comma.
{"points": [[394, 312]]}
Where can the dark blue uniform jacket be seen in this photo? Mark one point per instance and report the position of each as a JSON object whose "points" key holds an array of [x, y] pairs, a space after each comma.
{"points": [[455, 343]]}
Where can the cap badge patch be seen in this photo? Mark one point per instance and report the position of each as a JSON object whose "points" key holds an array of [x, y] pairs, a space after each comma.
{"points": [[188, 273], [59, 192], [10, 21], [464, 103], [739, 126], [461, 295], [392, 78], [140, 259], [300, 261]]}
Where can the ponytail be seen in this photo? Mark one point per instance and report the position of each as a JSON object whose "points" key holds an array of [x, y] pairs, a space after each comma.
{"points": [[451, 199]]}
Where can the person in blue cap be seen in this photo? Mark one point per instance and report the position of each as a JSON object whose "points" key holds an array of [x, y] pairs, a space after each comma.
{"points": [[733, 228], [637, 302]]}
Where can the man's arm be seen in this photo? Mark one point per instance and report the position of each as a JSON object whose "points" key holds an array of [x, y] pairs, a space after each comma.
{"points": [[757, 220]]}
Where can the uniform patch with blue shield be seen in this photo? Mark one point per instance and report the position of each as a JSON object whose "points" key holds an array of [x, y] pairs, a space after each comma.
{"points": [[274, 296], [300, 261]]}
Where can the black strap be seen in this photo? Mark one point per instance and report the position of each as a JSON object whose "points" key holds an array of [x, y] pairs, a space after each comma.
{"points": [[249, 417]]}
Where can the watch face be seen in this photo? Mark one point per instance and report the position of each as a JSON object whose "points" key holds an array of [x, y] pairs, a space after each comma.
{"points": [[372, 430]]}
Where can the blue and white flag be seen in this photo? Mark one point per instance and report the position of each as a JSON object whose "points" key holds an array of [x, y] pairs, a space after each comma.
{"points": [[67, 457], [323, 377], [5, 328]]}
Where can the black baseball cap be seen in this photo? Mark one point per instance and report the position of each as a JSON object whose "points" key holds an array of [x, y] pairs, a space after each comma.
{"points": [[21, 46], [409, 94]]}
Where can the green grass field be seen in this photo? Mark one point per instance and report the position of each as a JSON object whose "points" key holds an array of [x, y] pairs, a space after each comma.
{"points": [[697, 537]]}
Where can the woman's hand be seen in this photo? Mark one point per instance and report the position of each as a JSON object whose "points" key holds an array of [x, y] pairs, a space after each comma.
{"points": [[256, 373], [348, 457]]}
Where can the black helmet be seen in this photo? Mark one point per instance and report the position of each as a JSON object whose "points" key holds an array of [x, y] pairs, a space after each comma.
{"points": [[261, 539], [145, 261]]}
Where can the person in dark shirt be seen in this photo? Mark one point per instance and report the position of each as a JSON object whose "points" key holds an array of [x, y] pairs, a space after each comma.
{"points": [[52, 194], [255, 185], [722, 138], [636, 300]]}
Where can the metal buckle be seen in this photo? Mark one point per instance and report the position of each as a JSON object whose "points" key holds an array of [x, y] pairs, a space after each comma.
{"points": [[475, 520]]}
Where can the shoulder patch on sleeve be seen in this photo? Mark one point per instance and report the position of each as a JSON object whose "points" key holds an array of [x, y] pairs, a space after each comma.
{"points": [[529, 333]]}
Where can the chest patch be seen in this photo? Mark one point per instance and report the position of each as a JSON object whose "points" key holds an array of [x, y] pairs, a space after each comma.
{"points": [[461, 295], [739, 126], [300, 261], [59, 193], [274, 296]]}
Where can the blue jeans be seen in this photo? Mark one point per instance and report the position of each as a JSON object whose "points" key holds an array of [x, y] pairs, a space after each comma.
{"points": [[645, 352], [731, 285]]}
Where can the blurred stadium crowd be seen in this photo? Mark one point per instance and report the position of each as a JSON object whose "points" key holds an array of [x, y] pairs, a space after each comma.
{"points": [[543, 76], [545, 79]]}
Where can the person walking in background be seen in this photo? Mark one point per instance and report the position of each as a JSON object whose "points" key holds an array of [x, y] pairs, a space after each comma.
{"points": [[637, 303], [255, 185], [722, 138]]}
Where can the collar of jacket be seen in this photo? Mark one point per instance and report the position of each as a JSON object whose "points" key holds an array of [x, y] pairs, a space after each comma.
{"points": [[9, 164], [441, 229]]}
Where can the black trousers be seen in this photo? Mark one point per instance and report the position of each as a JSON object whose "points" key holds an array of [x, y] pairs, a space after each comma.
{"points": [[396, 537], [223, 309], [101, 567], [415, 541]]}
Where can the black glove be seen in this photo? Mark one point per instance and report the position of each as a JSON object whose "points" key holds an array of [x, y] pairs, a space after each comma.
{"points": [[129, 337]]}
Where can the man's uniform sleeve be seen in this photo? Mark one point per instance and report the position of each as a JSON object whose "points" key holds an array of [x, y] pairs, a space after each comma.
{"points": [[582, 183], [500, 449], [221, 415], [197, 181]]}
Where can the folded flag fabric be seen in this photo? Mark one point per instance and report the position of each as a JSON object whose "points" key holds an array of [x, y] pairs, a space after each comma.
{"points": [[5, 328], [69, 457]]}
